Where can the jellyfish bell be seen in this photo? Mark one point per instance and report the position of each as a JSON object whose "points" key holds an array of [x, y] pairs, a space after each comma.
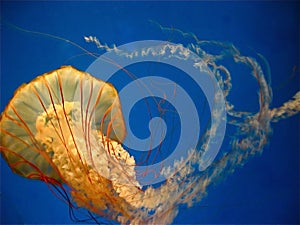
{"points": [[50, 132]]}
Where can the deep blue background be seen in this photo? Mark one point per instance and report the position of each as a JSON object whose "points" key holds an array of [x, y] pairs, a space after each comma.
{"points": [[265, 190]]}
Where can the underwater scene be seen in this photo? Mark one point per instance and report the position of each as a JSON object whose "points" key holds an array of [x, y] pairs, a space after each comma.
{"points": [[140, 112]]}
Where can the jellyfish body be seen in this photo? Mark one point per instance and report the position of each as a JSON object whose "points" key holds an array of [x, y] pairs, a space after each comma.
{"points": [[40, 114], [54, 131]]}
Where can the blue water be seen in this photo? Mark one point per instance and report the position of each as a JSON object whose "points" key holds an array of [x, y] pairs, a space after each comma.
{"points": [[265, 190]]}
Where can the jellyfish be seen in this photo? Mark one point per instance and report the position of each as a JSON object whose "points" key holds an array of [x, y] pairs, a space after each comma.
{"points": [[67, 128]]}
